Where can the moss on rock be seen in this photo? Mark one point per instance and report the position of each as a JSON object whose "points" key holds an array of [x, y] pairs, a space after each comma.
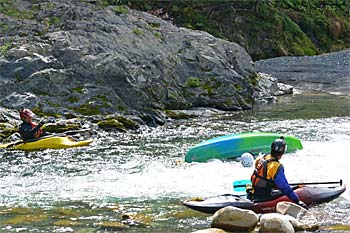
{"points": [[27, 218], [6, 130], [118, 123], [66, 223], [89, 109], [60, 128], [177, 115], [111, 125], [113, 226]]}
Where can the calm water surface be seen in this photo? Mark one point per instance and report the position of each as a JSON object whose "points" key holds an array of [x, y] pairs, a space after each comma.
{"points": [[143, 175]]}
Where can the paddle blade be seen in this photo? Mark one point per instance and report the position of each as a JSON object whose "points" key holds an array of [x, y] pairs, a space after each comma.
{"points": [[239, 185]]}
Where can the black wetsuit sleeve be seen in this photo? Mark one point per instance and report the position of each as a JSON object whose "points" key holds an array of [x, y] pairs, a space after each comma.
{"points": [[27, 132]]}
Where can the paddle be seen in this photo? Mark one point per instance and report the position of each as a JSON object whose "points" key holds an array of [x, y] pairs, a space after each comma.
{"points": [[240, 185]]}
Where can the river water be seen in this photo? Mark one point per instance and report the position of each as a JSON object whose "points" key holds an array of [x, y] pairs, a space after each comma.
{"points": [[143, 175]]}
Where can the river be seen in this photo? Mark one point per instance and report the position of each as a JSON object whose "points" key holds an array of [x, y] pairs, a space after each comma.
{"points": [[143, 175]]}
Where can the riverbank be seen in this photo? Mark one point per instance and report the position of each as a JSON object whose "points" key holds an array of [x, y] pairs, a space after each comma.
{"points": [[325, 73]]}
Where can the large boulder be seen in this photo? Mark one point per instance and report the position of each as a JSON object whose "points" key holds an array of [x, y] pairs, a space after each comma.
{"points": [[231, 219], [274, 222], [301, 219], [74, 57]]}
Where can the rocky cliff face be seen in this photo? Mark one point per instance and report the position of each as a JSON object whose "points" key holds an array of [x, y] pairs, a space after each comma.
{"points": [[71, 58]]}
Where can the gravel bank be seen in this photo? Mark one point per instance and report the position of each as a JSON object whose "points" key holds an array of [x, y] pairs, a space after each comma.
{"points": [[328, 72]]}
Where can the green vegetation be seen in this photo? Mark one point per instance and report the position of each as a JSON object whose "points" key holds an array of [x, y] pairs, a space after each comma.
{"points": [[238, 87], [137, 32], [193, 82], [7, 7], [129, 124], [154, 25], [67, 223], [4, 48], [79, 89], [40, 113], [120, 10], [111, 124], [73, 99], [118, 123], [6, 130], [88, 109], [254, 79], [211, 85], [53, 128], [53, 21], [121, 108], [52, 104], [158, 35], [277, 28]]}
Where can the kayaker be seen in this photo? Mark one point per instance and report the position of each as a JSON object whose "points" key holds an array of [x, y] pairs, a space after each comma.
{"points": [[269, 175], [29, 129]]}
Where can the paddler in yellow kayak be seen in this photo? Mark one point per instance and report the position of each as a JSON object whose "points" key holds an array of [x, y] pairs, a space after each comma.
{"points": [[28, 129]]}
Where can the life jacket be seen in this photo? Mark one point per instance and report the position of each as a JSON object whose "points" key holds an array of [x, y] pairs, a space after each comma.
{"points": [[264, 174], [37, 133]]}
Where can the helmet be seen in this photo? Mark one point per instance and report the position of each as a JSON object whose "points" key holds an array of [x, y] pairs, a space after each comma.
{"points": [[247, 159], [25, 112], [278, 146]]}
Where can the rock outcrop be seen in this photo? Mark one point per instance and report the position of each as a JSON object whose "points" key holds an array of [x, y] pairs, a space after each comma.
{"points": [[74, 58]]}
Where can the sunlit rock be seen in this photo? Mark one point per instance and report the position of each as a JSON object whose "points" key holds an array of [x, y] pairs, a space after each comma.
{"points": [[302, 219], [283, 89], [274, 222], [232, 218]]}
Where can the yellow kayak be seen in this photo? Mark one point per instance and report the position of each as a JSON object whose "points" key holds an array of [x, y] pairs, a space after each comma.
{"points": [[53, 142]]}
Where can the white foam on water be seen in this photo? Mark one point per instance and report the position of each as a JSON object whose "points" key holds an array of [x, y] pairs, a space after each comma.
{"points": [[325, 158]]}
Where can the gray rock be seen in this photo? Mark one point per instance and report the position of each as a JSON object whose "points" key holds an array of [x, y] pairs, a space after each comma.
{"points": [[232, 219], [274, 222], [16, 100], [301, 219], [72, 55], [327, 72]]}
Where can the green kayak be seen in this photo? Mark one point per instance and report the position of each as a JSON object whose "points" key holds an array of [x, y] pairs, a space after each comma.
{"points": [[234, 145]]}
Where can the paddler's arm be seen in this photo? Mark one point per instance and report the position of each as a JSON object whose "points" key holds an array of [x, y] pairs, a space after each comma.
{"points": [[282, 184]]}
